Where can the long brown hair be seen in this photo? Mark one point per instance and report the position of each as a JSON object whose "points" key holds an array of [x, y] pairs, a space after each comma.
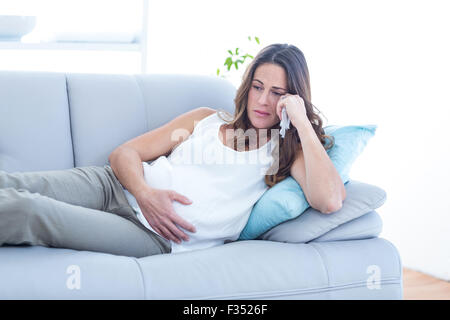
{"points": [[293, 61]]}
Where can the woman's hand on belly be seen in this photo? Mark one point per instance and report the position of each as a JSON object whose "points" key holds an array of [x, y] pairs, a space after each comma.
{"points": [[156, 206]]}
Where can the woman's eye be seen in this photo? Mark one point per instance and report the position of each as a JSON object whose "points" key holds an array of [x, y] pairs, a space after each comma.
{"points": [[276, 93]]}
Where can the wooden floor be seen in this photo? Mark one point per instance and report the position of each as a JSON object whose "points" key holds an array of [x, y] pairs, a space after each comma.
{"points": [[420, 286]]}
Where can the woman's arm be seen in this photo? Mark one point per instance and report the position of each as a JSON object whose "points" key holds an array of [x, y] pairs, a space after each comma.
{"points": [[126, 163], [127, 166], [312, 168], [316, 173]]}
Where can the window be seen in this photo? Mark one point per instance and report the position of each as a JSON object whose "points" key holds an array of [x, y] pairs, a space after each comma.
{"points": [[78, 36]]}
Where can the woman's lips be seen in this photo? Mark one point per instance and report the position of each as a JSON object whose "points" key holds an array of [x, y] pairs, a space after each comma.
{"points": [[261, 114]]}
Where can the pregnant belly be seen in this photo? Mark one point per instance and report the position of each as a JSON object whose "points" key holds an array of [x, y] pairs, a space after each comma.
{"points": [[160, 174]]}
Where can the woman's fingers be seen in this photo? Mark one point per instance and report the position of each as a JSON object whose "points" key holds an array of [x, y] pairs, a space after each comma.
{"points": [[281, 104], [166, 232], [162, 217], [183, 223], [175, 217], [176, 233], [180, 198]]}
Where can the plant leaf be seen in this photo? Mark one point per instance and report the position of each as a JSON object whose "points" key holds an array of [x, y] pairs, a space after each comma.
{"points": [[228, 62]]}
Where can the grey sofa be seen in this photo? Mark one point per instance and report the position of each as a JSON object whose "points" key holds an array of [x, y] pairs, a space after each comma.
{"points": [[54, 121]]}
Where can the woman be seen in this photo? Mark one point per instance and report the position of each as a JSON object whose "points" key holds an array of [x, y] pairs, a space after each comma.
{"points": [[205, 204]]}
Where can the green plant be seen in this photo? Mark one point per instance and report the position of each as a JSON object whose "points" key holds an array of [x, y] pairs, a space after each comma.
{"points": [[235, 58]]}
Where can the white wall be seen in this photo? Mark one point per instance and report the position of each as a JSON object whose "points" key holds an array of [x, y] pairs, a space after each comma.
{"points": [[57, 19], [371, 62]]}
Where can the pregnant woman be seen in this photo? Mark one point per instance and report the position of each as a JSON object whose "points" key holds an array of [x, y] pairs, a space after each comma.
{"points": [[207, 169]]}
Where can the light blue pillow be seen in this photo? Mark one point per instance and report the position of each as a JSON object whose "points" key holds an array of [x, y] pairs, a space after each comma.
{"points": [[286, 200]]}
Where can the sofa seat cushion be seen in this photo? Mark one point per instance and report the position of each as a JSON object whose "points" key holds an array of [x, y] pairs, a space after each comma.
{"points": [[36, 272], [255, 269]]}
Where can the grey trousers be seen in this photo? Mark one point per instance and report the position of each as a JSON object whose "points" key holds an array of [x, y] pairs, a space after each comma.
{"points": [[82, 208]]}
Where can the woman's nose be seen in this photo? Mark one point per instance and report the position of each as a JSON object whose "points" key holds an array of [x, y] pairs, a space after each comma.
{"points": [[264, 98]]}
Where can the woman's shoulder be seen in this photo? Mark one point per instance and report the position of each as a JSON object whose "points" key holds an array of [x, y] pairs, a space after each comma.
{"points": [[206, 113], [205, 117]]}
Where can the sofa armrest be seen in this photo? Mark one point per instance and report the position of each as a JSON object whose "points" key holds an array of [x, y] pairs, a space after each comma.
{"points": [[361, 199], [367, 226]]}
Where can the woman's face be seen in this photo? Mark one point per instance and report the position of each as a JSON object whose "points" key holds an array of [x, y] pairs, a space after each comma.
{"points": [[269, 83]]}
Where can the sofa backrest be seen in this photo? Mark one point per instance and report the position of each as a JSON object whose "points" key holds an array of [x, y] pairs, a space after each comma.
{"points": [[51, 121], [34, 122]]}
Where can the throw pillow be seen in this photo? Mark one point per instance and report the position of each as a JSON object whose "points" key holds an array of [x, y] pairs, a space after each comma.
{"points": [[286, 200]]}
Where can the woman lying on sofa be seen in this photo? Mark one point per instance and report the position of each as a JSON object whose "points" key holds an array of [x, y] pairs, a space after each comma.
{"points": [[198, 192]]}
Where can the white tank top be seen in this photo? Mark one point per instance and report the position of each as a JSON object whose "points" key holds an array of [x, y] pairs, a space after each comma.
{"points": [[223, 184]]}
